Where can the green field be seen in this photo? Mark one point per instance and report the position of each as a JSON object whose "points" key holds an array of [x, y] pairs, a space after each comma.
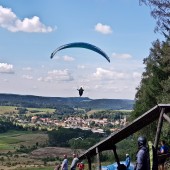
{"points": [[8, 109], [40, 110], [38, 168], [13, 139], [13, 109]]}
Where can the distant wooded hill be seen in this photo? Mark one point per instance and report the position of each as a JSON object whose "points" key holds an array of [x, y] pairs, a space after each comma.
{"points": [[53, 102]]}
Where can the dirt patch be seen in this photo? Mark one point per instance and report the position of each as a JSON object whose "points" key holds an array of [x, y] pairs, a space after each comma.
{"points": [[53, 152]]}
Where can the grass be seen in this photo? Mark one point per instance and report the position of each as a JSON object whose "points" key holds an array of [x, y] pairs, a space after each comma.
{"points": [[8, 109], [93, 111], [13, 139], [13, 109], [42, 109], [4, 146], [33, 111], [37, 168], [9, 140]]}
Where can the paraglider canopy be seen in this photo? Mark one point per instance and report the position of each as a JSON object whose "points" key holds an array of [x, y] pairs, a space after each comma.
{"points": [[81, 45], [80, 91]]}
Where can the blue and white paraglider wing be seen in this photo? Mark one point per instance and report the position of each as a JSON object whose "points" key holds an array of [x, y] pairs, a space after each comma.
{"points": [[81, 45]]}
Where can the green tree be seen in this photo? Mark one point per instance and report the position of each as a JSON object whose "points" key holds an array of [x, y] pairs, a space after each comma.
{"points": [[22, 110], [160, 10], [154, 87], [64, 137]]}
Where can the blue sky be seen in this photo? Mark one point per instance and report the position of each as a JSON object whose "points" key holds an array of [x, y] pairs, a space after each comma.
{"points": [[30, 30]]}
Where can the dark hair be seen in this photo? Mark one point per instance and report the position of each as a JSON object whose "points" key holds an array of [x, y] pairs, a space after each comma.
{"points": [[163, 141]]}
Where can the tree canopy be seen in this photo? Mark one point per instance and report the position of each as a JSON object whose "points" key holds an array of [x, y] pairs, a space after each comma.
{"points": [[160, 10], [154, 87]]}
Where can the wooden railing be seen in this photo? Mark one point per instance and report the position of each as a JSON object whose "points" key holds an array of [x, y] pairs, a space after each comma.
{"points": [[163, 156]]}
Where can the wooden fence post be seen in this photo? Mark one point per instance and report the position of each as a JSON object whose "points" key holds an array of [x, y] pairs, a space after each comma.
{"points": [[98, 158], [166, 117], [116, 156], [89, 162], [160, 123]]}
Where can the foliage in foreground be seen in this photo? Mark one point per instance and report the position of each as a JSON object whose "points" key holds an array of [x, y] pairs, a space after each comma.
{"points": [[160, 11], [154, 87], [74, 138]]}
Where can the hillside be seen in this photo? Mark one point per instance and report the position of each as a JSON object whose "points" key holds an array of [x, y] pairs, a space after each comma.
{"points": [[52, 102]]}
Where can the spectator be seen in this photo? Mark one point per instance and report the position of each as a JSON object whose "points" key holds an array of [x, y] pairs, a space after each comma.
{"points": [[142, 156], [64, 165], [127, 161], [57, 166], [74, 162], [163, 150], [81, 166]]}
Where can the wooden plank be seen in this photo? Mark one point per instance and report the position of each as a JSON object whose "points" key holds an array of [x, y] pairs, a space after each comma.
{"points": [[89, 163], [98, 158], [163, 156], [116, 156], [142, 121], [160, 123], [166, 117]]}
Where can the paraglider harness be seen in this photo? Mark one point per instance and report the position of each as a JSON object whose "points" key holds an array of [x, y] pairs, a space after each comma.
{"points": [[153, 158], [80, 91]]}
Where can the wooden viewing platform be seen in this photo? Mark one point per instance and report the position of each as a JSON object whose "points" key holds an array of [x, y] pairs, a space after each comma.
{"points": [[159, 112]]}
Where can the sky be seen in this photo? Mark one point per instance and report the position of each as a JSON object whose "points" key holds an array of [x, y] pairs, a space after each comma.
{"points": [[30, 30]]}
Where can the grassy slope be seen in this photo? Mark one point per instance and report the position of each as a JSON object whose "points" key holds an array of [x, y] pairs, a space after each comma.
{"points": [[7, 109], [13, 139], [12, 109]]}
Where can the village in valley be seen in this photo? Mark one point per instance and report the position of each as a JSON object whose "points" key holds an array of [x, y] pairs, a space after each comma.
{"points": [[96, 125], [49, 121]]}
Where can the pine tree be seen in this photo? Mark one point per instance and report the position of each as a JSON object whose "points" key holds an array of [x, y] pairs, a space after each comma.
{"points": [[154, 87]]}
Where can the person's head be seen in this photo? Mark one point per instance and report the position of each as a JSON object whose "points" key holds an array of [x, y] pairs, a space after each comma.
{"points": [[74, 155], [141, 141], [162, 142], [127, 155], [65, 156]]}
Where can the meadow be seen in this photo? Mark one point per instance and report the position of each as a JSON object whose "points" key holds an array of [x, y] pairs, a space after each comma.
{"points": [[11, 140], [30, 111], [12, 160], [8, 109]]}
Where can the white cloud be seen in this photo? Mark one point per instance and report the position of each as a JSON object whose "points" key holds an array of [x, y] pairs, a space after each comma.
{"points": [[81, 67], [9, 21], [5, 80], [121, 56], [6, 68], [27, 77], [57, 75], [104, 29], [65, 58], [27, 68], [107, 74], [68, 58], [137, 75], [110, 87]]}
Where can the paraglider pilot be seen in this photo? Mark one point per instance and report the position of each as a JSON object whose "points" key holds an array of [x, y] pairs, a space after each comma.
{"points": [[80, 91]]}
